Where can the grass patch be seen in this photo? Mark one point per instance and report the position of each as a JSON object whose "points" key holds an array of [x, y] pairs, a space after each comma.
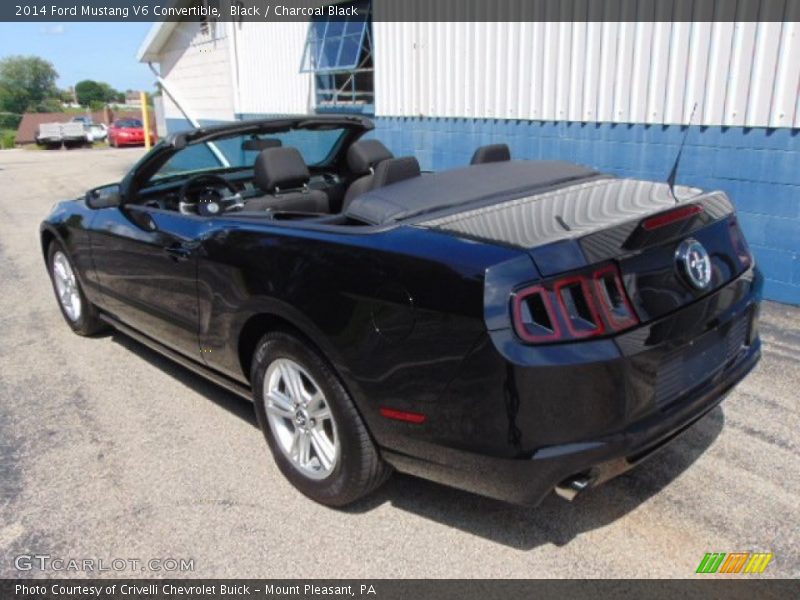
{"points": [[7, 137]]}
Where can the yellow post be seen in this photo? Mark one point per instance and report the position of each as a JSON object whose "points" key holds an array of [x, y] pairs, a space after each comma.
{"points": [[145, 119]]}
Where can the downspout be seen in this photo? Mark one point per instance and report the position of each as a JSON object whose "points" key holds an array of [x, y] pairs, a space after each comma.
{"points": [[223, 161], [233, 61]]}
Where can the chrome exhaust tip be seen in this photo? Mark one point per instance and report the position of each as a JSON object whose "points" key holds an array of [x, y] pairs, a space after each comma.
{"points": [[570, 488]]}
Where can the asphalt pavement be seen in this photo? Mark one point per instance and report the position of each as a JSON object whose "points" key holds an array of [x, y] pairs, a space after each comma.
{"points": [[108, 451]]}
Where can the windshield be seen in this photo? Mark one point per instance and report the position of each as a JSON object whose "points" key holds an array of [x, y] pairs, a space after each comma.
{"points": [[241, 151], [129, 123]]}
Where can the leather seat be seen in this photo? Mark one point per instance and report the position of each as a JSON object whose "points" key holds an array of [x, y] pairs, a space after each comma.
{"points": [[362, 158], [393, 170], [283, 175], [491, 153]]}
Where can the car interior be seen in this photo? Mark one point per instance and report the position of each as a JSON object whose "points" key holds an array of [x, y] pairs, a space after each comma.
{"points": [[281, 186]]}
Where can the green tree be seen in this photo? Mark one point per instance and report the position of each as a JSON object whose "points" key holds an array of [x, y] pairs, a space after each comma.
{"points": [[112, 95], [91, 92], [49, 105], [66, 96], [25, 81]]}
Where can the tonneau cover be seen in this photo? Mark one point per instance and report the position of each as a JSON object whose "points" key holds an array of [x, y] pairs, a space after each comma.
{"points": [[463, 188]]}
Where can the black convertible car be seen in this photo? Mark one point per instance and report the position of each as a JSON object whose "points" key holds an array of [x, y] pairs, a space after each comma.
{"points": [[511, 327]]}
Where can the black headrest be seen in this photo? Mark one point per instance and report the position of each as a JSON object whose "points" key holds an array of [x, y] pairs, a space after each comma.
{"points": [[365, 154], [491, 153], [393, 170], [280, 168]]}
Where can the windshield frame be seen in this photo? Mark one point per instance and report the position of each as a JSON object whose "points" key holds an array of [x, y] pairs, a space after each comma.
{"points": [[227, 161], [141, 173]]}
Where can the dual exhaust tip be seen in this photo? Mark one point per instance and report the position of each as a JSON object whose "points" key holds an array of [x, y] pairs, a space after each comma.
{"points": [[572, 486]]}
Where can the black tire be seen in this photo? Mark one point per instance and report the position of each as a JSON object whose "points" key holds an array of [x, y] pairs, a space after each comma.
{"points": [[359, 468], [89, 322]]}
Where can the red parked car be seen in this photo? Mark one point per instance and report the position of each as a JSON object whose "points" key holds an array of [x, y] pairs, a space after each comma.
{"points": [[127, 132]]}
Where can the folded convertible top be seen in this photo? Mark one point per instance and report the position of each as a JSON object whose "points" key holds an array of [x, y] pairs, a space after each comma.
{"points": [[460, 189]]}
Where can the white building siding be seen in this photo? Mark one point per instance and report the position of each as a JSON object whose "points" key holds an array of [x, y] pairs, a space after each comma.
{"points": [[738, 74], [268, 57], [196, 67]]}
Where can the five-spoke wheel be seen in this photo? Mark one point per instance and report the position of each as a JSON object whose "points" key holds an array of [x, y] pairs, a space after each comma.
{"points": [[66, 286], [300, 418], [78, 311], [317, 436]]}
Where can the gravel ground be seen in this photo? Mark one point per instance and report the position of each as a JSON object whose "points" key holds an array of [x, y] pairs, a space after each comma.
{"points": [[109, 451]]}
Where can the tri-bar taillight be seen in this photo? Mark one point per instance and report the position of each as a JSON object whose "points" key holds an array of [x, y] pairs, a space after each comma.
{"points": [[573, 307]]}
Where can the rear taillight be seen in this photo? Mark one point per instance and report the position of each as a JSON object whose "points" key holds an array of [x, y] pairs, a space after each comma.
{"points": [[577, 305], [574, 307], [534, 317], [740, 244], [613, 299]]}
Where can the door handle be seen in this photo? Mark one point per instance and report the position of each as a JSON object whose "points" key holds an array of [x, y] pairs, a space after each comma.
{"points": [[178, 252]]}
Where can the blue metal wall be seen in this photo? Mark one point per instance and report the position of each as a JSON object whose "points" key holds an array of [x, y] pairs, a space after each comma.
{"points": [[759, 168]]}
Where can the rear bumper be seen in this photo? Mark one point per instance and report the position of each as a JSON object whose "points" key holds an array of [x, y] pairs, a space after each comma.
{"points": [[520, 420], [592, 461]]}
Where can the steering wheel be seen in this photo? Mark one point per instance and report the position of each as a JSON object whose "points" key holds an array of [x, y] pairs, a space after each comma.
{"points": [[200, 195]]}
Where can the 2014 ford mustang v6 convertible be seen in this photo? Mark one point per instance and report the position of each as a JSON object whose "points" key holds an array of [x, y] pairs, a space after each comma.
{"points": [[511, 327]]}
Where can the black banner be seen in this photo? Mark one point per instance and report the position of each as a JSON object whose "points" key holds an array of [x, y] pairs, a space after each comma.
{"points": [[400, 10], [381, 589]]}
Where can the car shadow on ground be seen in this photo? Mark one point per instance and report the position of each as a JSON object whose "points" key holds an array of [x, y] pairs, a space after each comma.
{"points": [[555, 521]]}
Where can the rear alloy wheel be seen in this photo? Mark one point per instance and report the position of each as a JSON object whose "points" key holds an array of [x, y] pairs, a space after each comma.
{"points": [[315, 433], [78, 312], [300, 420]]}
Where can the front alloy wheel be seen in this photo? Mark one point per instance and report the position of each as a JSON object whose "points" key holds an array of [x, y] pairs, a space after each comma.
{"points": [[79, 313], [300, 419], [66, 286]]}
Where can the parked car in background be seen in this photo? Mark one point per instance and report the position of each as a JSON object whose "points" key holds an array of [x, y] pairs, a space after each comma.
{"points": [[127, 132], [95, 132], [49, 135], [98, 131], [71, 135], [74, 134]]}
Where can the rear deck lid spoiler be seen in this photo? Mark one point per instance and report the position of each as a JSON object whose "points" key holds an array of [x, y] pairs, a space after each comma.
{"points": [[584, 223]]}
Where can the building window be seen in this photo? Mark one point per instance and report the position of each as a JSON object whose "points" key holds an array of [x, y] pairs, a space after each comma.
{"points": [[209, 28], [339, 53]]}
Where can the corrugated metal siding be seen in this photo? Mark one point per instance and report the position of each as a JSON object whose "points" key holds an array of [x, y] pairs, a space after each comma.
{"points": [[268, 68], [738, 74]]}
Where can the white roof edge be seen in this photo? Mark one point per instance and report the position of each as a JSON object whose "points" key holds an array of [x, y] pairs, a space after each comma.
{"points": [[154, 40]]}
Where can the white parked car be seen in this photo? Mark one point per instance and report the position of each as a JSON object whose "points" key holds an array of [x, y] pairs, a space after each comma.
{"points": [[95, 132]]}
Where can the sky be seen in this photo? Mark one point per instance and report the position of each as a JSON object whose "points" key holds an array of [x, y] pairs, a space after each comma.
{"points": [[100, 51]]}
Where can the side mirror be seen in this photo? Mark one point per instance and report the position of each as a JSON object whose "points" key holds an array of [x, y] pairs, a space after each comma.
{"points": [[104, 197]]}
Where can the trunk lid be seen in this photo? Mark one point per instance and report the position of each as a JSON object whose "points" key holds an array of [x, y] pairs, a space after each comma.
{"points": [[639, 225]]}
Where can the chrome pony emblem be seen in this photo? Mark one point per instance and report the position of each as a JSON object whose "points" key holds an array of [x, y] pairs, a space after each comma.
{"points": [[694, 263]]}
